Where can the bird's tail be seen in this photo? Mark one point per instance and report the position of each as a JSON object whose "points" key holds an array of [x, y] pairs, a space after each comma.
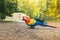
{"points": [[48, 26]]}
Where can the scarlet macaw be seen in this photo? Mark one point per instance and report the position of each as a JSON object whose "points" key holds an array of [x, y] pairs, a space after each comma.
{"points": [[34, 22]]}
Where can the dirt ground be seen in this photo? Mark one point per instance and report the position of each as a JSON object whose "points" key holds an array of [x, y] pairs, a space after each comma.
{"points": [[20, 31]]}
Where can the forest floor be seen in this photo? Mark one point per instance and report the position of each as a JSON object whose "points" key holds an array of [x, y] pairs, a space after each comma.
{"points": [[20, 31]]}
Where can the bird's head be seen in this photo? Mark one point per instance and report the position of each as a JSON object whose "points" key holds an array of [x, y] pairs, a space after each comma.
{"points": [[26, 18]]}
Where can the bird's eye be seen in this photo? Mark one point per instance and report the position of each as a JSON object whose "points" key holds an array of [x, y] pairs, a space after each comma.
{"points": [[24, 18]]}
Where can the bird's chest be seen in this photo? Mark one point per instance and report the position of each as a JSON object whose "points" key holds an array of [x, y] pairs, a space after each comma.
{"points": [[32, 22]]}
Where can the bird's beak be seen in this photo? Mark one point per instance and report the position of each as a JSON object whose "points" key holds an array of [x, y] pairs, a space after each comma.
{"points": [[22, 19]]}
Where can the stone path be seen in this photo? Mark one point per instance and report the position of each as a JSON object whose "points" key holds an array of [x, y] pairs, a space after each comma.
{"points": [[20, 31]]}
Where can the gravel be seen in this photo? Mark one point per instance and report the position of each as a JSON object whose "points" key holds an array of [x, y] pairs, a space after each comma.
{"points": [[20, 31]]}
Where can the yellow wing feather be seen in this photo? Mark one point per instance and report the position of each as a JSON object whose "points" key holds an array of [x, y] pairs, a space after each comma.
{"points": [[32, 21]]}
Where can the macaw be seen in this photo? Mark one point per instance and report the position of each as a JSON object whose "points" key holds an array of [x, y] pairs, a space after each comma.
{"points": [[34, 22]]}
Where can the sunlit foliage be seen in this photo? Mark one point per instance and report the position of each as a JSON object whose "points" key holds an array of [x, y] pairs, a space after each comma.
{"points": [[40, 9]]}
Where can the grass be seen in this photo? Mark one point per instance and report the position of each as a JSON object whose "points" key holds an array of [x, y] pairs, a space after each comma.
{"points": [[52, 21], [6, 21]]}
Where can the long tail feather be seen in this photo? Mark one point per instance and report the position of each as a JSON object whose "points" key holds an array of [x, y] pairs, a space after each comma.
{"points": [[48, 26]]}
